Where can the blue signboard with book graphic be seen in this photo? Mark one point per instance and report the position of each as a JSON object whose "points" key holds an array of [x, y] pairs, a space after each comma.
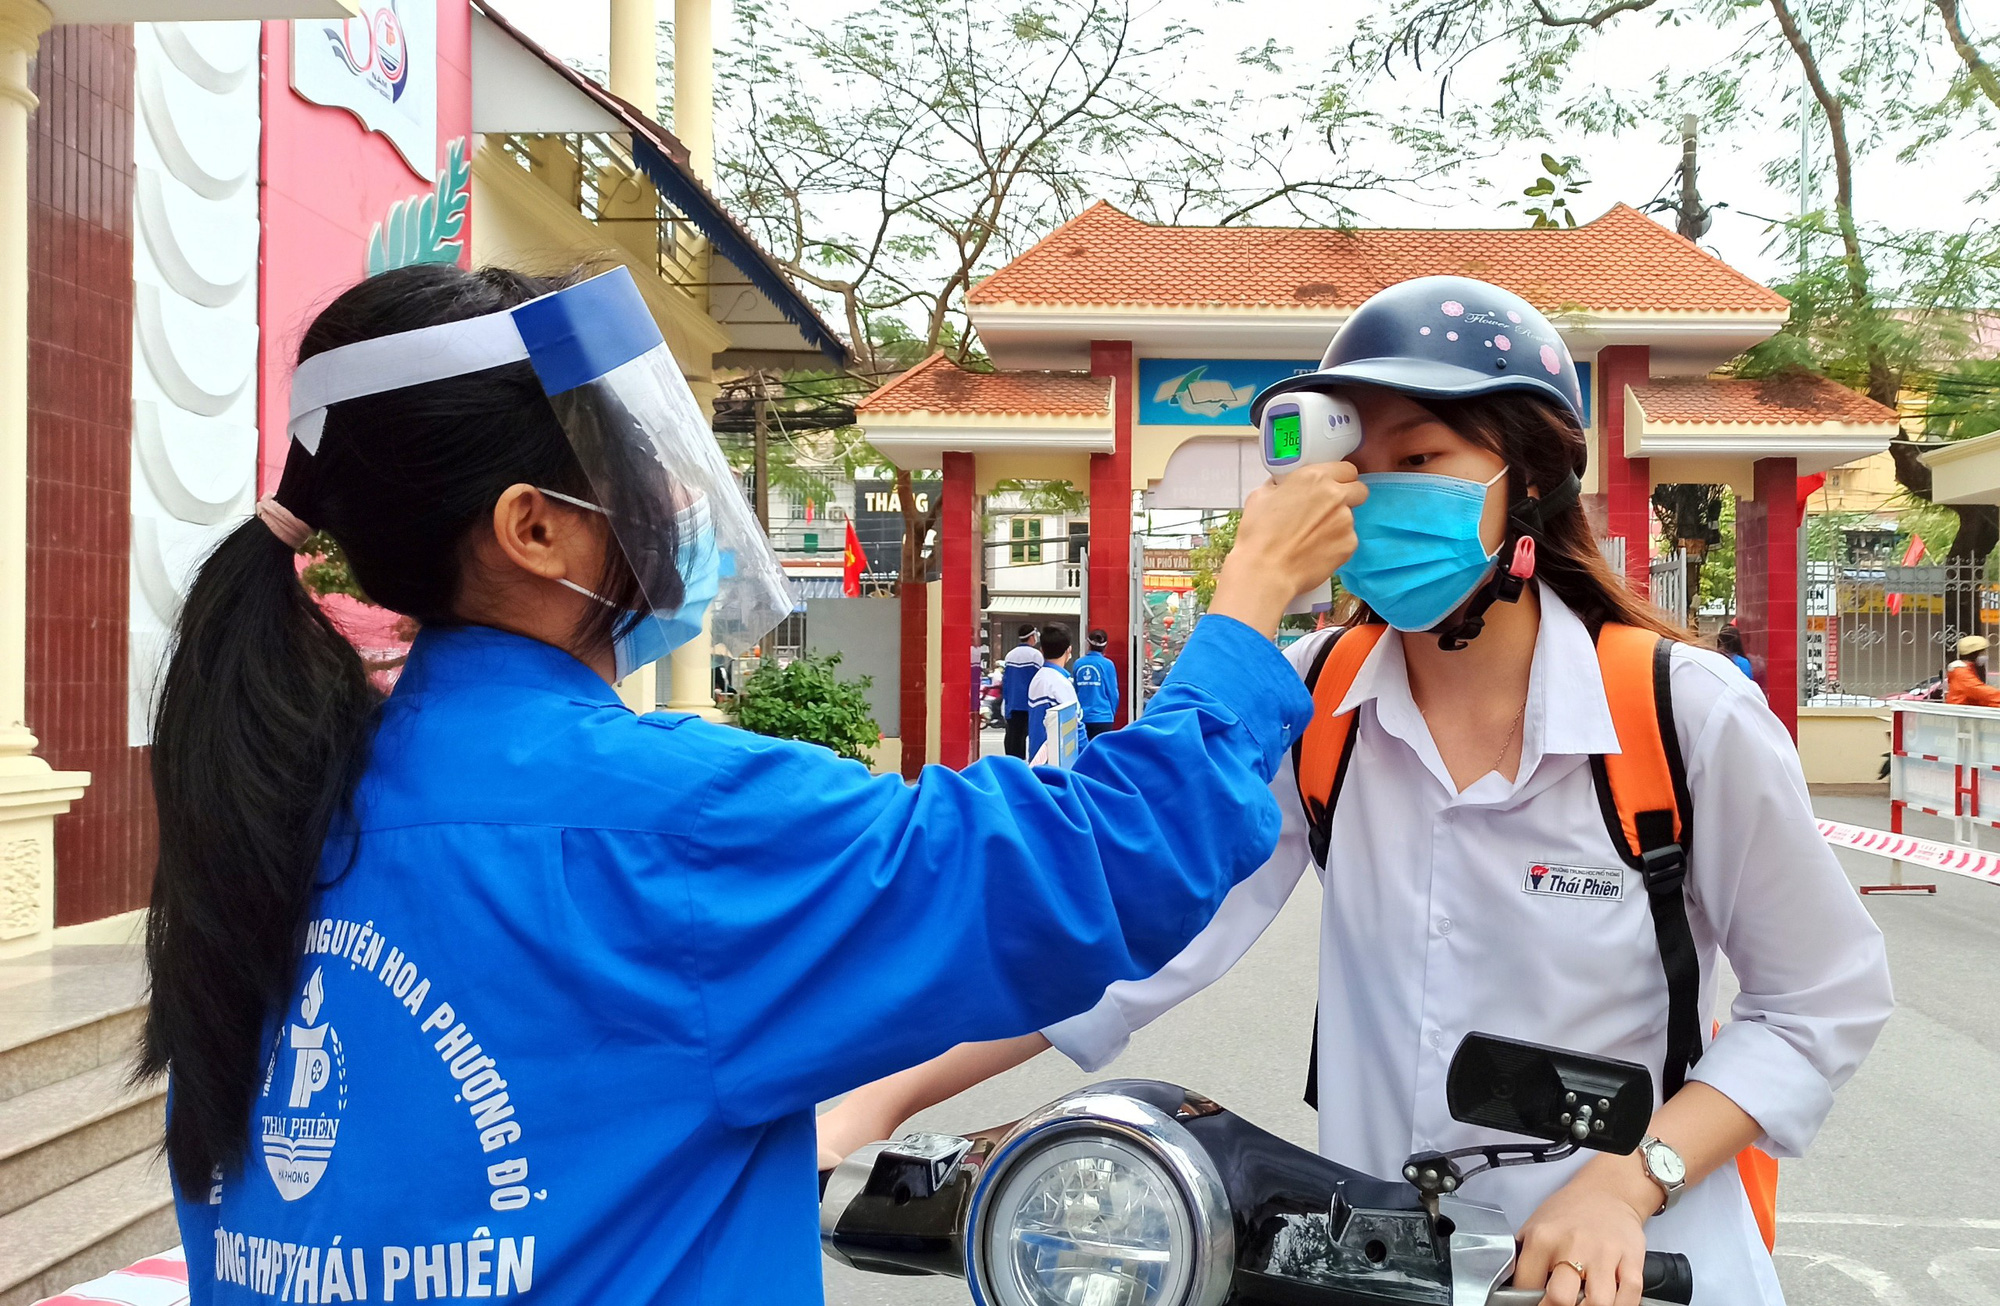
{"points": [[1216, 392], [1207, 391]]}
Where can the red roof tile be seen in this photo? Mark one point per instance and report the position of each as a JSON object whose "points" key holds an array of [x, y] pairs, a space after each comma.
{"points": [[1790, 398], [937, 385], [1621, 261]]}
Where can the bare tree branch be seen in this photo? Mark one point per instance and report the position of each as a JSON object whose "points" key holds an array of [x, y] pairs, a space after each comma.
{"points": [[1592, 21], [1882, 385], [1976, 66]]}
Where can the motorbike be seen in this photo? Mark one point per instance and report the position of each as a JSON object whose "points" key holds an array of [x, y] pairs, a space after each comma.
{"points": [[1142, 1193]]}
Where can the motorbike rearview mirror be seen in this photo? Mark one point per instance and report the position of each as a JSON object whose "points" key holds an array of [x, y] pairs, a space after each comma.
{"points": [[1549, 1093]]}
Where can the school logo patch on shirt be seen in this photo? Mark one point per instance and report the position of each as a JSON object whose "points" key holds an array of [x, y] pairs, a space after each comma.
{"points": [[305, 1090], [1589, 882]]}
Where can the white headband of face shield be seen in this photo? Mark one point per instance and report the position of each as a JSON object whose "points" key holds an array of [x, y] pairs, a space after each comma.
{"points": [[372, 367]]}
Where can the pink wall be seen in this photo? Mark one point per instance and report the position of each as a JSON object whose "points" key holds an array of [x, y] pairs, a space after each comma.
{"points": [[326, 182]]}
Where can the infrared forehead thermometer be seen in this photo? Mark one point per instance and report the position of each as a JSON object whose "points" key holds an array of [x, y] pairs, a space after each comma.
{"points": [[1298, 429]]}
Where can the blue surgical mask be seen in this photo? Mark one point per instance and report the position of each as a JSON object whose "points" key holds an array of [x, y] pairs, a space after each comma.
{"points": [[1420, 555], [656, 634]]}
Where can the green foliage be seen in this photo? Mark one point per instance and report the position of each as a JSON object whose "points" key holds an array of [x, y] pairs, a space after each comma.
{"points": [[1937, 524], [428, 228], [1718, 568], [328, 572], [1560, 179], [1963, 401], [1209, 557], [1826, 534], [1052, 498], [806, 699], [892, 156]]}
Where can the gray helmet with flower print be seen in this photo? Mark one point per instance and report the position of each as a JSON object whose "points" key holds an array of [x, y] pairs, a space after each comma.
{"points": [[1445, 338]]}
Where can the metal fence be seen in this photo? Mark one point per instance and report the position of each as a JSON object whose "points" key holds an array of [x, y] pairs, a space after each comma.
{"points": [[1669, 586], [1874, 632]]}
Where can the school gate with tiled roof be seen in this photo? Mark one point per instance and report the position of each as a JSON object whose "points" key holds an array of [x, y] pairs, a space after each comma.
{"points": [[1126, 354]]}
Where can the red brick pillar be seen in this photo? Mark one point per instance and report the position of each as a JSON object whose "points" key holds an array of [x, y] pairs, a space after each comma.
{"points": [[1767, 583], [1628, 490], [914, 711], [959, 543], [1110, 577], [79, 521]]}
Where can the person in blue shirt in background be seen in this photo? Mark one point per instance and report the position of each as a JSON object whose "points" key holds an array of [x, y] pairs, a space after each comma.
{"points": [[494, 986], [1096, 686], [1017, 671], [1050, 690], [1730, 641]]}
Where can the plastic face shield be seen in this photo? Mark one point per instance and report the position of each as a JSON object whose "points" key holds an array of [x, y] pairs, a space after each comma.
{"points": [[651, 460]]}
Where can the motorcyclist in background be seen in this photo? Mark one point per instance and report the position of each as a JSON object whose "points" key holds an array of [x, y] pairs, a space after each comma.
{"points": [[1965, 680]]}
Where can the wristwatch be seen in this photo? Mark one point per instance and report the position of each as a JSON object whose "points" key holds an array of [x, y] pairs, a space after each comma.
{"points": [[1665, 1168]]}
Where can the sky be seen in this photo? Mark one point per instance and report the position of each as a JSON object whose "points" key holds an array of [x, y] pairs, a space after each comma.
{"points": [[1633, 169]]}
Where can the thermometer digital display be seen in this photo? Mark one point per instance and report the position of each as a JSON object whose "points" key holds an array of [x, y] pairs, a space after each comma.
{"points": [[1285, 439]]}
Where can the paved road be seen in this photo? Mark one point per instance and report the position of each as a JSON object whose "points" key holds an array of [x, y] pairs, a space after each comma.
{"points": [[1898, 1205]]}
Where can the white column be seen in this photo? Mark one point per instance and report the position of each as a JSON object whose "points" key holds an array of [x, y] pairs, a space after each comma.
{"points": [[640, 690], [635, 54], [694, 85], [690, 686], [31, 795]]}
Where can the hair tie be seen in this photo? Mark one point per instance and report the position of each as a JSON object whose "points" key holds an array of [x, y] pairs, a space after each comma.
{"points": [[282, 522]]}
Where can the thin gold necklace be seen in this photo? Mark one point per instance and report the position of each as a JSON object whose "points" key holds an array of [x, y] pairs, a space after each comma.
{"points": [[1508, 742], [1505, 744]]}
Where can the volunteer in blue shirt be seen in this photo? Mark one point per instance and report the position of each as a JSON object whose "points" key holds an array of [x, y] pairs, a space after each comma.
{"points": [[1017, 672], [496, 987], [1096, 686]]}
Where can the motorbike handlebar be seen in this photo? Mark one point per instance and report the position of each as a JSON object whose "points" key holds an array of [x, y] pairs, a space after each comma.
{"points": [[1668, 1279]]}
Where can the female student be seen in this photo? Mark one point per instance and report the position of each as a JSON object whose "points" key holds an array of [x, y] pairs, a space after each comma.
{"points": [[495, 986], [1472, 881]]}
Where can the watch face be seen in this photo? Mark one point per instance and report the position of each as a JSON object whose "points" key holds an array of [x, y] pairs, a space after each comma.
{"points": [[1665, 1164]]}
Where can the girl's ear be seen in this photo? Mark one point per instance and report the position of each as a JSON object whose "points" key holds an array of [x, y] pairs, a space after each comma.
{"points": [[542, 536]]}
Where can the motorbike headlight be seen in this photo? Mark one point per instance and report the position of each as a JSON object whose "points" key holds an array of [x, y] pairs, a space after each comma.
{"points": [[1100, 1199]]}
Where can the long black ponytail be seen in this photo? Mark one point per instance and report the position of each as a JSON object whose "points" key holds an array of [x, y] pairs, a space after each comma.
{"points": [[265, 710]]}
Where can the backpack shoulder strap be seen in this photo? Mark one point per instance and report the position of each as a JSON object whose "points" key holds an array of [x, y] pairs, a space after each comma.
{"points": [[1319, 758], [1642, 791]]}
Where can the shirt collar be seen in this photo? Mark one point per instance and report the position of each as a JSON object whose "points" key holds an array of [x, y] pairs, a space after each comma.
{"points": [[1565, 657], [450, 657]]}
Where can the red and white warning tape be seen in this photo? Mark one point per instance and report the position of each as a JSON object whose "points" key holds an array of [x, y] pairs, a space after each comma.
{"points": [[1922, 852]]}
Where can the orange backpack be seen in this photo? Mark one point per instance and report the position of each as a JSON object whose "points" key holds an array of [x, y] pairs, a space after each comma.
{"points": [[1642, 791]]}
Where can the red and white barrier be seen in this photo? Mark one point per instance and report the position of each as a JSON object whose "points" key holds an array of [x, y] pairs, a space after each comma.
{"points": [[1969, 862], [156, 1281]]}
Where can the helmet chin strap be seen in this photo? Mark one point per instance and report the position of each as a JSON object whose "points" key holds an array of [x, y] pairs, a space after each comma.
{"points": [[1524, 528]]}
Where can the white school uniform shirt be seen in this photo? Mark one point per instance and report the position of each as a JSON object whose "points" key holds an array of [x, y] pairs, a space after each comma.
{"points": [[1049, 690], [1430, 931]]}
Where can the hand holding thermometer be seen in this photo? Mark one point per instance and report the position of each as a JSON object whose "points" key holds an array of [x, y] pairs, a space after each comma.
{"points": [[1299, 428]]}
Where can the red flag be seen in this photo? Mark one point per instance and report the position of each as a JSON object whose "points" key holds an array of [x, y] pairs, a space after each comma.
{"points": [[1809, 486], [852, 563], [1911, 557]]}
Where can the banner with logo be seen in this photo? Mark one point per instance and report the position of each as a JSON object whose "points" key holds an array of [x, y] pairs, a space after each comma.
{"points": [[381, 66]]}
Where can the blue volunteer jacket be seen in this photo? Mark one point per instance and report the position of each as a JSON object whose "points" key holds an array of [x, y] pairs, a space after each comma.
{"points": [[1096, 687], [1017, 672], [563, 1015]]}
